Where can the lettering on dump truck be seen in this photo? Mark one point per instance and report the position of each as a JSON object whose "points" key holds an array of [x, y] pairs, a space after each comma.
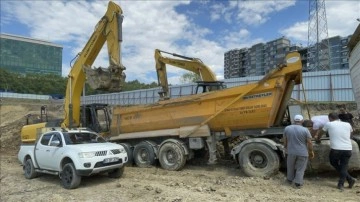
{"points": [[133, 116], [259, 95], [247, 109]]}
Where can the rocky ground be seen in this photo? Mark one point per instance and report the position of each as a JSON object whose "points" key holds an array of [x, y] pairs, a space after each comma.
{"points": [[196, 182]]}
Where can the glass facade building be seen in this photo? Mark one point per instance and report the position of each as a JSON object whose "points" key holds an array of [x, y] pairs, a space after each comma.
{"points": [[25, 55]]}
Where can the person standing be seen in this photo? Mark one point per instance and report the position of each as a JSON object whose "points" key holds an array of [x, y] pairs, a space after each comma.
{"points": [[346, 116], [341, 147], [297, 143]]}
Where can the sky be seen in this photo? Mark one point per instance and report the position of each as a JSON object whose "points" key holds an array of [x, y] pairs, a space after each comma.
{"points": [[204, 29]]}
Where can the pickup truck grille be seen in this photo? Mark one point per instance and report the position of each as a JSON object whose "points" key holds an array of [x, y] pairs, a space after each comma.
{"points": [[100, 153], [115, 151], [104, 153]]}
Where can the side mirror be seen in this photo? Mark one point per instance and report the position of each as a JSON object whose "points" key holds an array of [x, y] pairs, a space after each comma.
{"points": [[55, 143]]}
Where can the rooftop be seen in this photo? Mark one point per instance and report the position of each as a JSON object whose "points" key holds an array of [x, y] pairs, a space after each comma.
{"points": [[28, 39]]}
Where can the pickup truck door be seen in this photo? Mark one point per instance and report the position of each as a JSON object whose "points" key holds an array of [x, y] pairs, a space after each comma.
{"points": [[54, 151], [41, 150], [49, 155]]}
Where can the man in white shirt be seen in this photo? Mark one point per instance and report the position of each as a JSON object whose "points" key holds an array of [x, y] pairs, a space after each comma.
{"points": [[341, 147], [316, 124]]}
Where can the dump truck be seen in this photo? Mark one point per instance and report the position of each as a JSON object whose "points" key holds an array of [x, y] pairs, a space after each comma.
{"points": [[248, 120], [172, 130]]}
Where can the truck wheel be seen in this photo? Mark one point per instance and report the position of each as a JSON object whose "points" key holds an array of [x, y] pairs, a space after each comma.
{"points": [[69, 178], [29, 169], [144, 155], [172, 156], [257, 159], [129, 152], [117, 173]]}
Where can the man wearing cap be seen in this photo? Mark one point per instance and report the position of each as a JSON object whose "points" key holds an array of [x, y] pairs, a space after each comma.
{"points": [[297, 143]]}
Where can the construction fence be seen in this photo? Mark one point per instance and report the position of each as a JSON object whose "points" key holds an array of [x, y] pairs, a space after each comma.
{"points": [[322, 86]]}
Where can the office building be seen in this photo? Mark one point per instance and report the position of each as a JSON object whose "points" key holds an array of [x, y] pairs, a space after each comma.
{"points": [[26, 55]]}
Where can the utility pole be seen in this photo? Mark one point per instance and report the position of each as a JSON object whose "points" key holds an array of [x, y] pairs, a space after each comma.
{"points": [[318, 55]]}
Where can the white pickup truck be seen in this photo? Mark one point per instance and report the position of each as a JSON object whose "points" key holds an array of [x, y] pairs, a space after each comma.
{"points": [[72, 154]]}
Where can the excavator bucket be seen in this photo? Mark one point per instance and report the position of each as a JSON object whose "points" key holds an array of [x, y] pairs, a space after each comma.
{"points": [[108, 79]]}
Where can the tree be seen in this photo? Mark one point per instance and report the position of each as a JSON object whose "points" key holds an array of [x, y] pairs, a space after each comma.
{"points": [[190, 77]]}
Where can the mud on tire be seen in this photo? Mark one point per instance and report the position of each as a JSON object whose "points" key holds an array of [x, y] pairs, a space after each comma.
{"points": [[29, 169], [172, 156], [258, 160], [69, 178]]}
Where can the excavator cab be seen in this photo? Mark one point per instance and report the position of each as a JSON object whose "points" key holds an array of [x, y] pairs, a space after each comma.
{"points": [[95, 117], [206, 86]]}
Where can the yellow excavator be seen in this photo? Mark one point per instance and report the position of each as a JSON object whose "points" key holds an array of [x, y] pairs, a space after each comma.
{"points": [[108, 29], [208, 79]]}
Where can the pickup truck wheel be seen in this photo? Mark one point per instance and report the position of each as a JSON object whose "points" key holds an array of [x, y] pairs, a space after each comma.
{"points": [[144, 155], [69, 178], [257, 159], [172, 156], [117, 173], [29, 169]]}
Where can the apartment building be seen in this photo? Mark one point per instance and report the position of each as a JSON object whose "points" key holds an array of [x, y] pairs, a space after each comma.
{"points": [[260, 58]]}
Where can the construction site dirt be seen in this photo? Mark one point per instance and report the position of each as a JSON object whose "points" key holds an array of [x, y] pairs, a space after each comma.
{"points": [[197, 181]]}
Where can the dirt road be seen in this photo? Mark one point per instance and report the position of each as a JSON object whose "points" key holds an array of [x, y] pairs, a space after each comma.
{"points": [[196, 182]]}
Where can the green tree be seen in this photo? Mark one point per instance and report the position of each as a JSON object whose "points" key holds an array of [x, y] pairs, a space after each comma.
{"points": [[46, 84], [190, 77]]}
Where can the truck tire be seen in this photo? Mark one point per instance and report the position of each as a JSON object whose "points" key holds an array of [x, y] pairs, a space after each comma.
{"points": [[69, 178], [258, 160], [29, 169], [172, 156], [144, 155], [116, 173], [129, 152]]}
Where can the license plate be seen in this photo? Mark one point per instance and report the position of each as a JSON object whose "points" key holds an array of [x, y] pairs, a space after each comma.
{"points": [[111, 160]]}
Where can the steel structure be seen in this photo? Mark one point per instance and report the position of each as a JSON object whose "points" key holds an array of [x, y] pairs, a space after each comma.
{"points": [[318, 56]]}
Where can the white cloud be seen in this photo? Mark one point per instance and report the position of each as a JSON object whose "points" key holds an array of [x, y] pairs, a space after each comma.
{"points": [[297, 32], [248, 12], [257, 12], [150, 25]]}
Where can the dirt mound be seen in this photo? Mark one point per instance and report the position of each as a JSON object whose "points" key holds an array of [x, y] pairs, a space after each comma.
{"points": [[15, 114]]}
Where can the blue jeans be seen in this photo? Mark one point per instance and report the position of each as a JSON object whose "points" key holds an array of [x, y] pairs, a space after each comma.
{"points": [[339, 159]]}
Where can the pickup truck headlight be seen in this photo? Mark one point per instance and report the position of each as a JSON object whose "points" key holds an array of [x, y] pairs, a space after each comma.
{"points": [[122, 150], [86, 154]]}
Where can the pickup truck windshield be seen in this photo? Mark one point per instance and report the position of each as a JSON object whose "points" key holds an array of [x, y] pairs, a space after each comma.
{"points": [[82, 138]]}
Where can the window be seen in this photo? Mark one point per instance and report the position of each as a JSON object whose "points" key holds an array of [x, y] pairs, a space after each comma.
{"points": [[45, 139]]}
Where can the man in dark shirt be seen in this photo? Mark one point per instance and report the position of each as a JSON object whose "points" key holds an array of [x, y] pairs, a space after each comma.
{"points": [[346, 116]]}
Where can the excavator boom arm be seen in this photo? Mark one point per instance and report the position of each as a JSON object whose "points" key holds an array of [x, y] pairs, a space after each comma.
{"points": [[108, 29], [191, 64]]}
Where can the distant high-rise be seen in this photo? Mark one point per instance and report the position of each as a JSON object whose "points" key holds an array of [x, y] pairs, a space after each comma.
{"points": [[256, 60], [260, 58], [26, 55]]}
